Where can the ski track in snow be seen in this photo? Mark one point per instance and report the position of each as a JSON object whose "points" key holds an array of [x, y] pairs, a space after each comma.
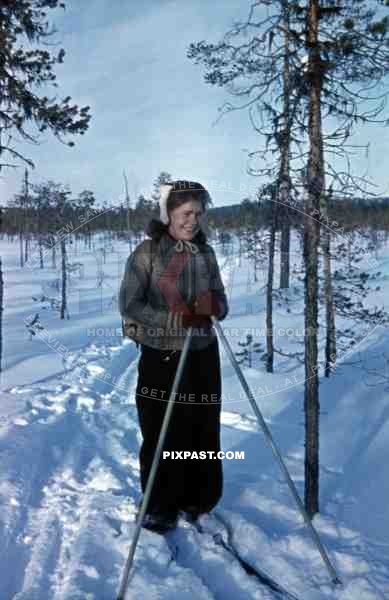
{"points": [[215, 567], [75, 466], [72, 496]]}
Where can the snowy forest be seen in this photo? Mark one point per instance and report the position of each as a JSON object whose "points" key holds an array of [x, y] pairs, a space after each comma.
{"points": [[303, 254]]}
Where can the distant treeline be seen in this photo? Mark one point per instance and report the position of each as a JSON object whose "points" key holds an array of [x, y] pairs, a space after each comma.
{"points": [[347, 213]]}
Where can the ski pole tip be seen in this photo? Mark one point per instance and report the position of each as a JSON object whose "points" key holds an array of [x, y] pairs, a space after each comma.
{"points": [[335, 581]]}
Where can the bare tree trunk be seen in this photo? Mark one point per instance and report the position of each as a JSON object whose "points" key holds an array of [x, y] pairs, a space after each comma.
{"points": [[280, 213], [350, 251], [128, 213], [53, 257], [64, 280], [330, 348], [40, 236], [21, 253], [311, 245], [1, 314], [26, 245], [284, 191], [269, 291], [40, 251], [26, 224], [285, 247]]}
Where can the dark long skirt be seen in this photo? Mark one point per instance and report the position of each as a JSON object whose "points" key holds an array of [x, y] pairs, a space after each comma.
{"points": [[194, 426]]}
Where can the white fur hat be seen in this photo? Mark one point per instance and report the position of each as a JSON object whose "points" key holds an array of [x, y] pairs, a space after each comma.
{"points": [[164, 191]]}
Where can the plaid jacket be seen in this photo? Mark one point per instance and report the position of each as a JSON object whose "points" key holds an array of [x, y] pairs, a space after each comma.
{"points": [[156, 275]]}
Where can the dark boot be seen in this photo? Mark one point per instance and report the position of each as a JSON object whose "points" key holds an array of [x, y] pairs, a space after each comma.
{"points": [[160, 522], [193, 512]]}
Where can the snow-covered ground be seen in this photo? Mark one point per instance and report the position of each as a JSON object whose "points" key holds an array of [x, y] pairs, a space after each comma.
{"points": [[69, 440]]}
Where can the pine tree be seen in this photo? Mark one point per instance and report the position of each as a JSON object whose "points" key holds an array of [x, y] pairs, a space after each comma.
{"points": [[249, 349], [339, 55], [346, 44], [27, 63]]}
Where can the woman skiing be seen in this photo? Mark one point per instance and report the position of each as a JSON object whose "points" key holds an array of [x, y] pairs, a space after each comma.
{"points": [[171, 282]]}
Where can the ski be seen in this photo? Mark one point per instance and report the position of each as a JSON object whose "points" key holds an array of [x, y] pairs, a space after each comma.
{"points": [[263, 577]]}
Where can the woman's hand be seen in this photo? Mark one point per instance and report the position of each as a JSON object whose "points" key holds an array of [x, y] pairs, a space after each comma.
{"points": [[198, 313], [207, 305]]}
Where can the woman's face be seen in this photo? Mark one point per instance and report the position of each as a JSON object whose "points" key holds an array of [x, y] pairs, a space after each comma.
{"points": [[185, 220]]}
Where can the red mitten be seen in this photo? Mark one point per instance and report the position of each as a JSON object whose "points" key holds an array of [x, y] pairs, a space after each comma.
{"points": [[199, 312], [207, 305], [196, 321]]}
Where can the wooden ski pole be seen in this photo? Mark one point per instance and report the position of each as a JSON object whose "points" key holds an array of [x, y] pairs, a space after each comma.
{"points": [[269, 438], [154, 466]]}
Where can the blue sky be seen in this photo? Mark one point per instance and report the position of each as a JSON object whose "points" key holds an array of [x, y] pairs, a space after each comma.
{"points": [[151, 109]]}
